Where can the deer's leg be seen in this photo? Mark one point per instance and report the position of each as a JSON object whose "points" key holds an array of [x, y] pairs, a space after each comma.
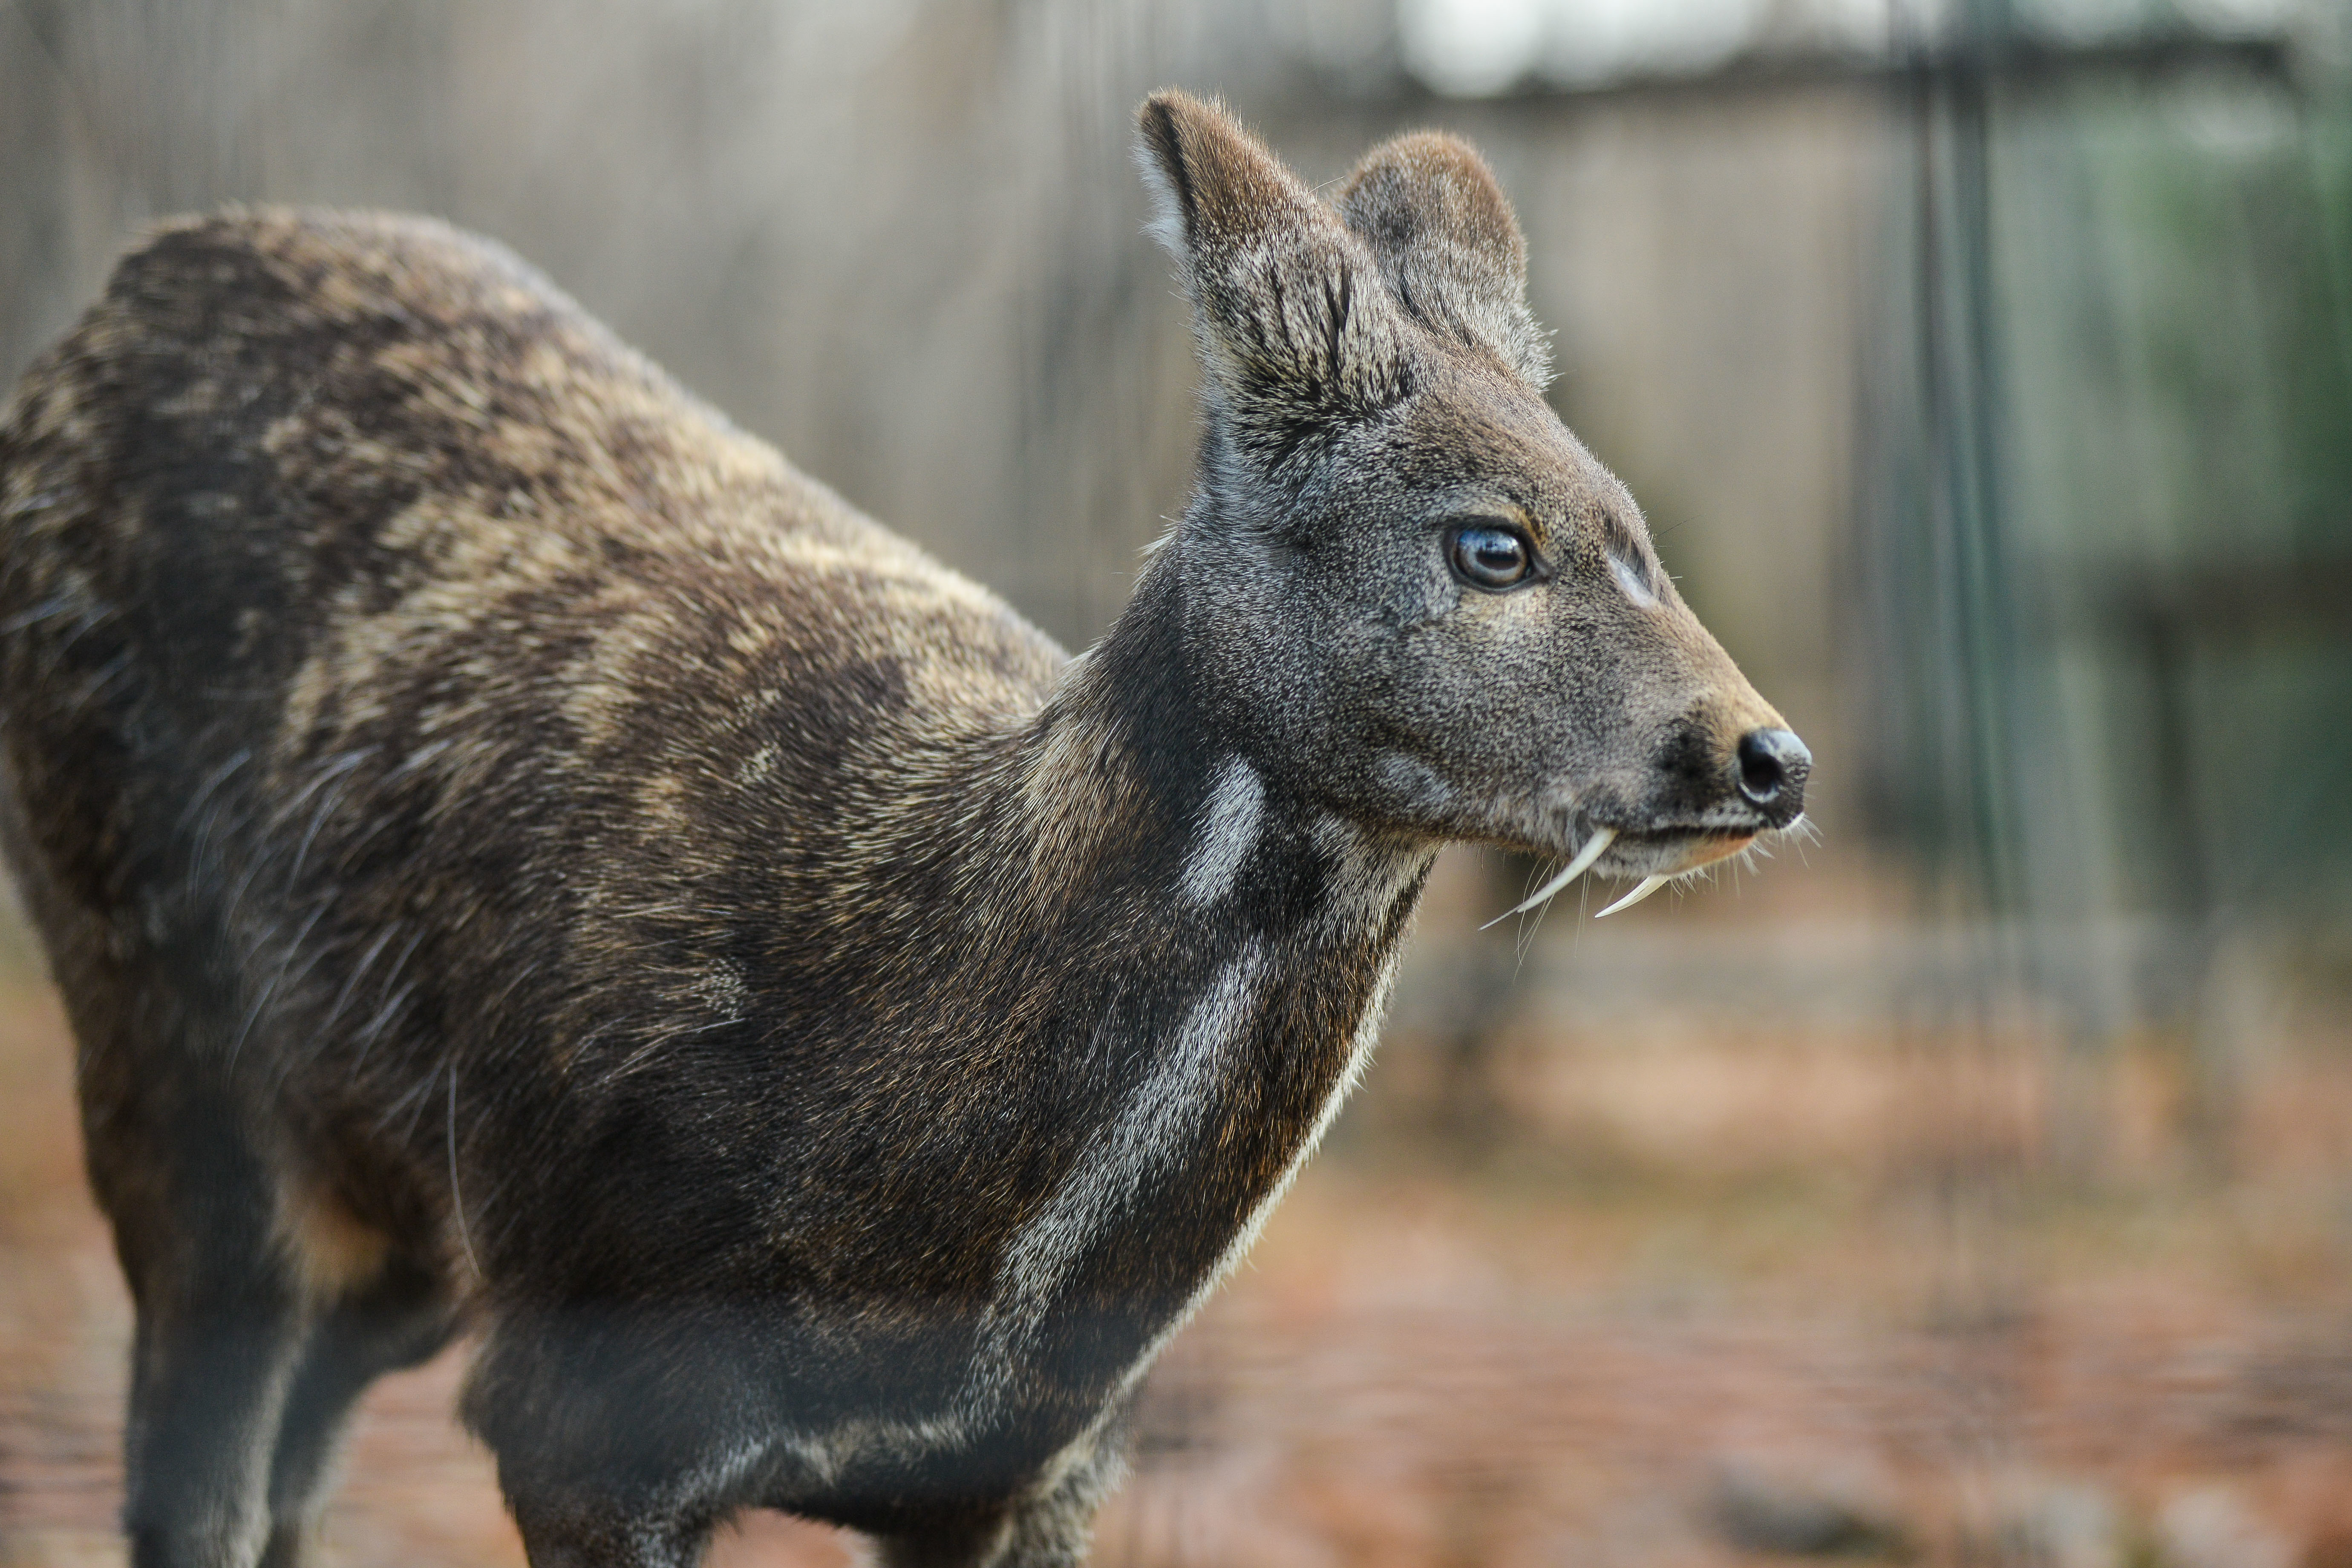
{"points": [[399, 1320], [208, 1384], [1052, 1527], [579, 1530], [1055, 1528], [220, 1328], [612, 1452], [980, 1544]]}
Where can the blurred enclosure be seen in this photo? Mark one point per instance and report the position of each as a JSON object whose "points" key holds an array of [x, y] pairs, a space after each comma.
{"points": [[1977, 1190]]}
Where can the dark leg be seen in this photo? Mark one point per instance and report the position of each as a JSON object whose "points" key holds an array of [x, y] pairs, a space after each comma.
{"points": [[1055, 1528], [399, 1320], [210, 1381], [577, 1531], [1052, 1527], [605, 1453], [221, 1325], [976, 1545]]}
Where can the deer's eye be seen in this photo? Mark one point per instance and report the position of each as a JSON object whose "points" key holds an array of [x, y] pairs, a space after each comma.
{"points": [[1490, 556]]}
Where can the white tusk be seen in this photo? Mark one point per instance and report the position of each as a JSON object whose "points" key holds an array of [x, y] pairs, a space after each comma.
{"points": [[1649, 885], [1594, 847]]}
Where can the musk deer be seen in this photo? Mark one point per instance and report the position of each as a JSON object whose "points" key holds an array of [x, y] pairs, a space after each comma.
{"points": [[521, 856]]}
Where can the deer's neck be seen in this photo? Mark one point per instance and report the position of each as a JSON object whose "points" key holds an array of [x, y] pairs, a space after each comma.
{"points": [[1215, 953], [1132, 812]]}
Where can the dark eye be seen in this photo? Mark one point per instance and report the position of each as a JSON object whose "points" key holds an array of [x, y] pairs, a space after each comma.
{"points": [[1487, 555]]}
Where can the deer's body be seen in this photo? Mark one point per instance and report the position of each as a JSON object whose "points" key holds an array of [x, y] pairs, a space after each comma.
{"points": [[516, 852]]}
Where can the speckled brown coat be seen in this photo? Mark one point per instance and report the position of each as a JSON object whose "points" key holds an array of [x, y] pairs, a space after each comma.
{"points": [[516, 852]]}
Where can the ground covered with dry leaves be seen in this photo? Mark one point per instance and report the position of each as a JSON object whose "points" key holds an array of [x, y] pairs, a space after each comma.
{"points": [[1680, 1289]]}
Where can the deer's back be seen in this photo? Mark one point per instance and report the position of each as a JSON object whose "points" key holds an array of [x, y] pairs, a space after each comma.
{"points": [[400, 674]]}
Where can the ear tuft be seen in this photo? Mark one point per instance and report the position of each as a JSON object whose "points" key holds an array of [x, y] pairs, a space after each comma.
{"points": [[1214, 186], [1444, 235], [1273, 273]]}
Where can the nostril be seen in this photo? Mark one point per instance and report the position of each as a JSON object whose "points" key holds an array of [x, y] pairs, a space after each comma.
{"points": [[1760, 768], [1772, 765]]}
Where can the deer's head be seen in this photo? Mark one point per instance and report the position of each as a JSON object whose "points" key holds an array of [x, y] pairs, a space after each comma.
{"points": [[1412, 594]]}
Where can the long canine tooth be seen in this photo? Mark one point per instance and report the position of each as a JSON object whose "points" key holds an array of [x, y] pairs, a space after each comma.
{"points": [[1649, 885], [1593, 847]]}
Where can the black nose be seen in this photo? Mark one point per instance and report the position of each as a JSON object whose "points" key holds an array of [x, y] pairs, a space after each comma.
{"points": [[1773, 765]]}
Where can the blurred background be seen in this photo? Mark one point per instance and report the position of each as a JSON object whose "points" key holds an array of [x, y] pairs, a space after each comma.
{"points": [[1970, 1186]]}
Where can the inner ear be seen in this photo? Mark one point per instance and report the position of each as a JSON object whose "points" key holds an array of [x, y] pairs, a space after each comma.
{"points": [[1215, 186], [1289, 325], [1442, 231]]}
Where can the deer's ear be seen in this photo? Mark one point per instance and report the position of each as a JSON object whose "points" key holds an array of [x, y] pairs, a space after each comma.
{"points": [[1281, 299], [1445, 237]]}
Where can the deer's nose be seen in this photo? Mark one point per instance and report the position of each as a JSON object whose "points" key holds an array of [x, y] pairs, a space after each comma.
{"points": [[1773, 765]]}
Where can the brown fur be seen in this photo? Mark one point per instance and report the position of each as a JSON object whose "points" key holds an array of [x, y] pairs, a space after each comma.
{"points": [[517, 851]]}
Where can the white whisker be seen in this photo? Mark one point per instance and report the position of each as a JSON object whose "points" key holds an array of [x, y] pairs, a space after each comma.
{"points": [[1593, 847], [1649, 885], [456, 1199]]}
